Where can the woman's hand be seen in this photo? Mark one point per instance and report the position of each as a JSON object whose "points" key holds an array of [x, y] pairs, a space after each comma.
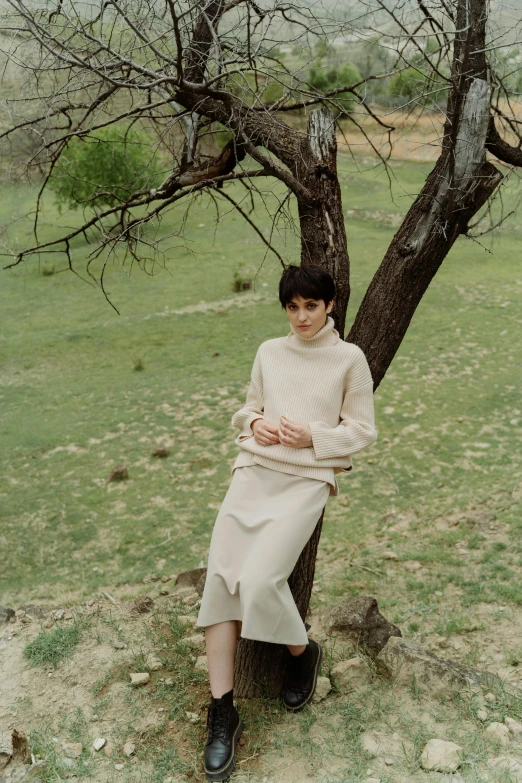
{"points": [[265, 433], [294, 435]]}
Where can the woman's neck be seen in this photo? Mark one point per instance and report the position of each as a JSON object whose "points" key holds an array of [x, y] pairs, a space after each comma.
{"points": [[326, 335]]}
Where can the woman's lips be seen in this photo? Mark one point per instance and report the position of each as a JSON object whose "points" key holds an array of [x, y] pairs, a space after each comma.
{"points": [[304, 327]]}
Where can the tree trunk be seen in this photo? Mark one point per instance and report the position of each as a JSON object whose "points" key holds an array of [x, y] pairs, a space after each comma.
{"points": [[321, 219], [259, 666], [459, 185]]}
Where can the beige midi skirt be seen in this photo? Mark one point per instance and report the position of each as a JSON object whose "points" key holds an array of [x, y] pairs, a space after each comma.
{"points": [[261, 529]]}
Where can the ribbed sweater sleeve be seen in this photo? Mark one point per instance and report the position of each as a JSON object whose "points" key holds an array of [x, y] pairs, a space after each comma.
{"points": [[253, 408], [356, 429]]}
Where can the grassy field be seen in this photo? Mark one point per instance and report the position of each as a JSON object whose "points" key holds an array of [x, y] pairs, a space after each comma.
{"points": [[83, 389], [428, 522]]}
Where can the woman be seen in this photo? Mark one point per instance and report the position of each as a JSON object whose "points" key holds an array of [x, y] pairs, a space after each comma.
{"points": [[309, 407]]}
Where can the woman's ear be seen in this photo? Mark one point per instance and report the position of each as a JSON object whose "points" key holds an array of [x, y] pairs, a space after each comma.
{"points": [[329, 307]]}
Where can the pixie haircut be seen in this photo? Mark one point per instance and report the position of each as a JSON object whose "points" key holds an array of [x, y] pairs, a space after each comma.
{"points": [[309, 282]]}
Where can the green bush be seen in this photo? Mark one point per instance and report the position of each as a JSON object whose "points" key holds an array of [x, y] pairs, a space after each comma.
{"points": [[326, 79], [408, 85], [105, 168]]}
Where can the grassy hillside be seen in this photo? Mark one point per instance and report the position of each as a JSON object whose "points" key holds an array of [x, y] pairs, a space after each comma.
{"points": [[84, 389]]}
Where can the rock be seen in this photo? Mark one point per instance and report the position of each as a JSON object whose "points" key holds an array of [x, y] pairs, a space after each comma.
{"points": [[482, 715], [190, 578], [388, 555], [26, 619], [405, 661], [98, 743], [350, 674], [515, 728], [370, 744], [119, 645], [48, 623], [490, 698], [323, 688], [509, 764], [119, 767], [193, 717], [154, 664], [389, 761], [197, 639], [73, 749], [498, 732], [441, 756], [201, 663], [108, 750], [359, 617], [118, 473], [412, 565], [187, 618], [6, 614], [190, 599], [140, 678], [59, 614], [161, 452], [128, 749], [6, 749], [143, 604]]}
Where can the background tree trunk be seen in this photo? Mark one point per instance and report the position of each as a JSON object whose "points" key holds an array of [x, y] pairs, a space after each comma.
{"points": [[459, 185], [259, 666]]}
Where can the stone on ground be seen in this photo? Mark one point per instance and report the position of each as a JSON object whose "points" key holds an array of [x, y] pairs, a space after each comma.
{"points": [[515, 728], [359, 617], [140, 678], [197, 639], [98, 743], [323, 688], [351, 674], [498, 732], [508, 764], [201, 663], [128, 749], [73, 749], [441, 756], [370, 744]]}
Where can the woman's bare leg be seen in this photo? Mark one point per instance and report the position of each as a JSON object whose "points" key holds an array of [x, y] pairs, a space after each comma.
{"points": [[296, 649], [221, 641]]}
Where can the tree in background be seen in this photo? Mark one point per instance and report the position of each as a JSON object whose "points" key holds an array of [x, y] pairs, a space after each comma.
{"points": [[104, 168], [185, 68]]}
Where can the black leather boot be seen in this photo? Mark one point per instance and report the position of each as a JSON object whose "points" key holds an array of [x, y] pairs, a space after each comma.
{"points": [[224, 730], [301, 676]]}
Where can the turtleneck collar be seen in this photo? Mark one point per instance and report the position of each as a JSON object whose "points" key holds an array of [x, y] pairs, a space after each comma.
{"points": [[327, 335]]}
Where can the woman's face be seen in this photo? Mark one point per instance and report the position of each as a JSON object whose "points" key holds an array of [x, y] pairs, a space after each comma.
{"points": [[307, 316]]}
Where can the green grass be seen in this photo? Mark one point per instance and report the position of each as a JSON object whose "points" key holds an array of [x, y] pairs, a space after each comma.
{"points": [[50, 648], [83, 389]]}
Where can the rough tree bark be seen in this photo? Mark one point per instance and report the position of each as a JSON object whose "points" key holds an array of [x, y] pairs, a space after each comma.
{"points": [[321, 219]]}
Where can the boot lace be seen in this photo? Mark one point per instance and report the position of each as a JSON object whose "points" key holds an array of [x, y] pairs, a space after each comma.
{"points": [[217, 722]]}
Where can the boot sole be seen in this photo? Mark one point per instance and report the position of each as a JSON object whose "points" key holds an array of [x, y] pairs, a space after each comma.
{"points": [[226, 770], [310, 695]]}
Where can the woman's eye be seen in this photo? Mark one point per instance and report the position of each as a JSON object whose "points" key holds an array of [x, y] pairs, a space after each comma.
{"points": [[312, 306]]}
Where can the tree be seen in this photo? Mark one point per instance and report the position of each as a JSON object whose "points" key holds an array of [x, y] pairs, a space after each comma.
{"points": [[202, 64]]}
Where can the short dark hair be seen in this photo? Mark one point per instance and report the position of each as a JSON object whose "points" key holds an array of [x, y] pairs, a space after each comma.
{"points": [[310, 282]]}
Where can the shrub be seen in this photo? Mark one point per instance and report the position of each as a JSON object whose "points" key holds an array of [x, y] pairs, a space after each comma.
{"points": [[326, 79], [105, 168]]}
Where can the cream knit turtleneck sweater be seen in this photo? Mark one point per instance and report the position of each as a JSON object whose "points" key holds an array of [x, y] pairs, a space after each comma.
{"points": [[321, 381]]}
